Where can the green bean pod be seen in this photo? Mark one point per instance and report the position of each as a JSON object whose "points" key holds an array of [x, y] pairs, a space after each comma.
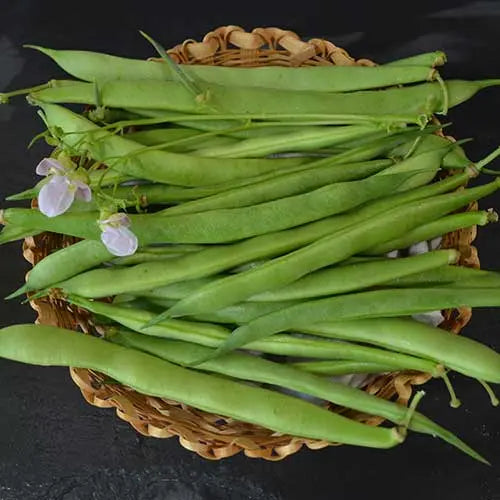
{"points": [[13, 233], [128, 157], [457, 352], [104, 282], [93, 66], [307, 139], [64, 264], [436, 228], [362, 305], [287, 184], [430, 59], [257, 369], [449, 276], [49, 346], [325, 252], [343, 279], [423, 99], [338, 368]]}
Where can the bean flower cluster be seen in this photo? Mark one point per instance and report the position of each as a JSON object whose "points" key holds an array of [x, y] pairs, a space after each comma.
{"points": [[280, 226]]}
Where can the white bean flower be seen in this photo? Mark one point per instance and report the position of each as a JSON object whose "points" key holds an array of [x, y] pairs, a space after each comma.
{"points": [[62, 188], [117, 236]]}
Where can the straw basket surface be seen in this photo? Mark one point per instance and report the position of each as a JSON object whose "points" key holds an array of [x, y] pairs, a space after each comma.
{"points": [[214, 436]]}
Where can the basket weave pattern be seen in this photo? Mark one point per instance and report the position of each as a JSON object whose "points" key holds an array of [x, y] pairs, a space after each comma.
{"points": [[214, 436]]}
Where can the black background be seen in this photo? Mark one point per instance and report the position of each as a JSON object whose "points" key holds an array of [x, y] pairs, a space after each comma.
{"points": [[55, 446]]}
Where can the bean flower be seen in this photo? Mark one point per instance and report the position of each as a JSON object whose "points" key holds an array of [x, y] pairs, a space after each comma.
{"points": [[117, 236], [62, 188]]}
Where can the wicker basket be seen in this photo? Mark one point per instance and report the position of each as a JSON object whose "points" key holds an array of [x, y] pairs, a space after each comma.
{"points": [[214, 436]]}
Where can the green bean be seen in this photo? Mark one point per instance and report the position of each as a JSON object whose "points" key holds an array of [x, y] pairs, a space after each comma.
{"points": [[342, 367], [237, 314], [225, 225], [423, 99], [189, 144], [436, 228], [457, 352], [177, 290], [104, 282], [361, 305], [141, 257], [430, 59], [281, 186], [257, 369], [161, 135], [448, 276], [211, 335], [13, 233], [326, 251], [148, 254], [64, 264], [343, 279], [154, 165], [49, 346], [307, 139], [102, 67]]}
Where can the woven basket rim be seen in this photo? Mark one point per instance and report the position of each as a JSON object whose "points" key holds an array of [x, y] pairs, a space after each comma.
{"points": [[199, 431]]}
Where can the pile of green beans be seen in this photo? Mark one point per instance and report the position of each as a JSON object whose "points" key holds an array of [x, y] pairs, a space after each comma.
{"points": [[268, 205]]}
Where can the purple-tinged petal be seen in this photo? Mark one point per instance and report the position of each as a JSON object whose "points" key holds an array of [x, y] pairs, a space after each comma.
{"points": [[120, 241], [55, 197], [83, 191], [49, 165], [118, 219]]}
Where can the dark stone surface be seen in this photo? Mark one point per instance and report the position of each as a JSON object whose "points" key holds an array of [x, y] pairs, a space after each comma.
{"points": [[55, 446]]}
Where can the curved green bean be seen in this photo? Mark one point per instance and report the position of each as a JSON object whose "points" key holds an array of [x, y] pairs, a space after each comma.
{"points": [[430, 59], [342, 367], [449, 276], [287, 184], [436, 228], [343, 279], [13, 233], [49, 346], [93, 66], [64, 264], [307, 139], [457, 352], [127, 157], [371, 304], [422, 99]]}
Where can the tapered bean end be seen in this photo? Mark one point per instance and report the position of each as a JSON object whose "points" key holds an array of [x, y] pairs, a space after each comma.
{"points": [[18, 292], [2, 217]]}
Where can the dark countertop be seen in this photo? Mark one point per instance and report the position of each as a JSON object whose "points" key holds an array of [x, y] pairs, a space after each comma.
{"points": [[53, 445]]}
